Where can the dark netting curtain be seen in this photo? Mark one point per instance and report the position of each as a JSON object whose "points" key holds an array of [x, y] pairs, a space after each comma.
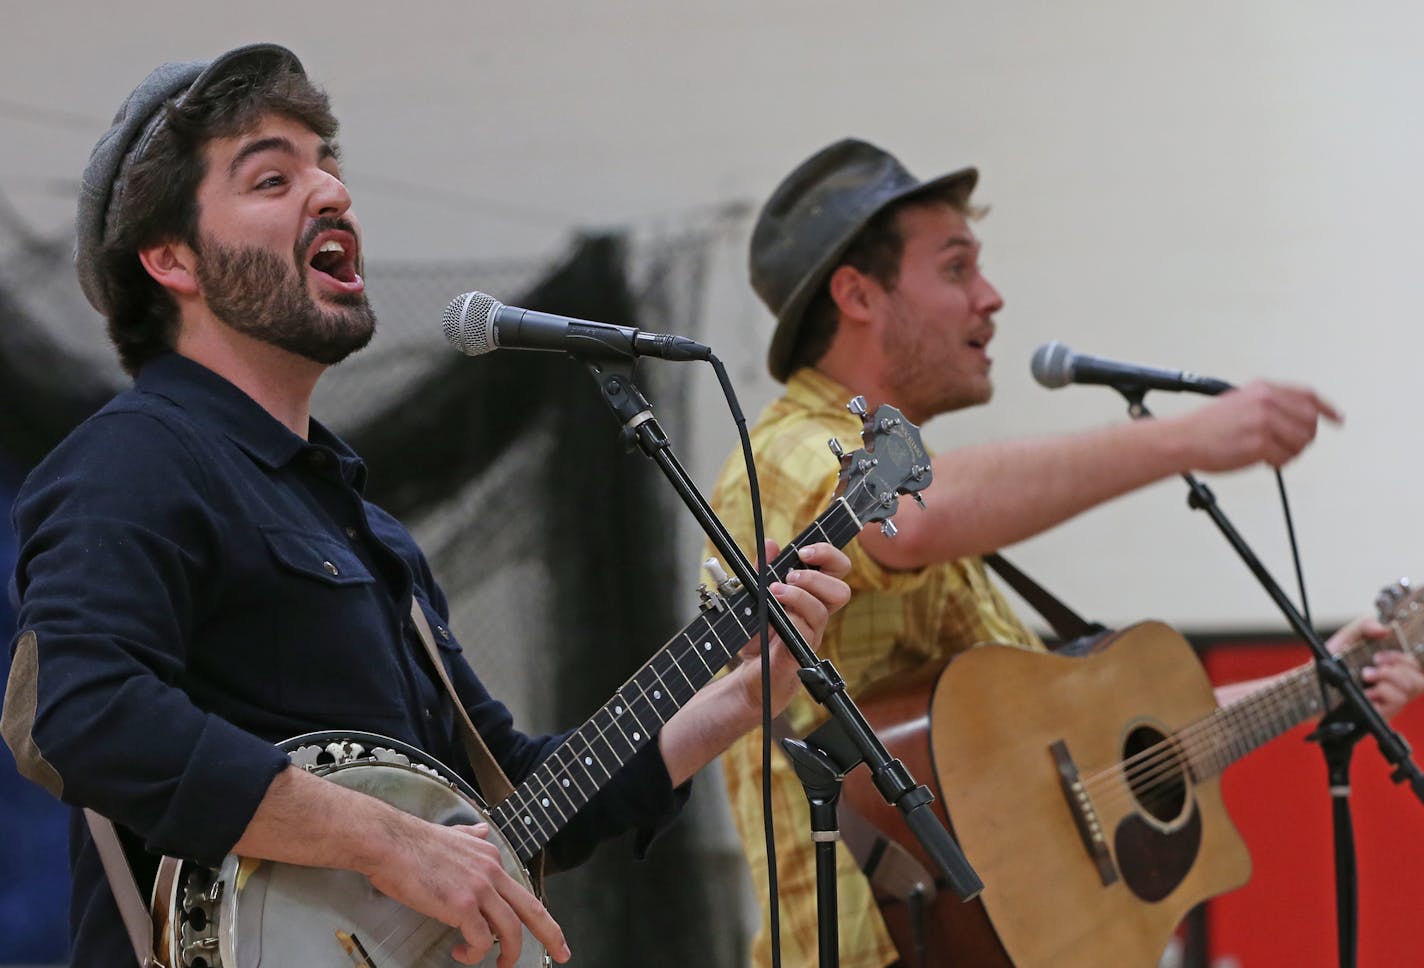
{"points": [[561, 548], [554, 543]]}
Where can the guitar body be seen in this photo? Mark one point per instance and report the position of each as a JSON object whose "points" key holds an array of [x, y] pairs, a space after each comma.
{"points": [[249, 913], [1006, 733], [948, 933]]}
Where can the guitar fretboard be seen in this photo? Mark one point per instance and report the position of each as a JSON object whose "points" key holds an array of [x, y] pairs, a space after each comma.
{"points": [[1218, 740], [570, 776]]}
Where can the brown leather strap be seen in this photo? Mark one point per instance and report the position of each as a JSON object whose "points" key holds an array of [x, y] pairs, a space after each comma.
{"points": [[132, 908], [494, 785], [1066, 623]]}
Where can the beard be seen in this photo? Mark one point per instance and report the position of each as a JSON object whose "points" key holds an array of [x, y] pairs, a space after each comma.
{"points": [[255, 292], [924, 378]]}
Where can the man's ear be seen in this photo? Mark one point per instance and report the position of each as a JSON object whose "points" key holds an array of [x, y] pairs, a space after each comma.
{"points": [[173, 265], [850, 291]]}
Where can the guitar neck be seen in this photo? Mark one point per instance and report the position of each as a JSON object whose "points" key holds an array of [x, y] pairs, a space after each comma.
{"points": [[1220, 739], [570, 776]]}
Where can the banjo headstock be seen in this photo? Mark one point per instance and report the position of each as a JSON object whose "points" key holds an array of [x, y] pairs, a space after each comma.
{"points": [[891, 462]]}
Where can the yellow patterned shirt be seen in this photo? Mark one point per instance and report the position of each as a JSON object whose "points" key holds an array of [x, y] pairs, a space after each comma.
{"points": [[896, 620]]}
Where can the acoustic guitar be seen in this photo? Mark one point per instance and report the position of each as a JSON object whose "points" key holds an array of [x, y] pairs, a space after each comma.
{"points": [[248, 912], [1085, 791]]}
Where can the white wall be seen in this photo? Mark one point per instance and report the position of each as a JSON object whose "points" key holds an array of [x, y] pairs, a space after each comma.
{"points": [[1228, 187]]}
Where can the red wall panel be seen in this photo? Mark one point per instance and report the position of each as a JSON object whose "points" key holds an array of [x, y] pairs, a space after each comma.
{"points": [[1278, 796]]}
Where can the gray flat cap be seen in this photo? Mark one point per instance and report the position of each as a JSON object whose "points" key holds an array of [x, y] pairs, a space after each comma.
{"points": [[140, 117], [811, 219]]}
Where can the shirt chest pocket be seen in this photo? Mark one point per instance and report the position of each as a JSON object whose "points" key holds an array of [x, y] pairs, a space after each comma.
{"points": [[336, 653], [318, 557]]}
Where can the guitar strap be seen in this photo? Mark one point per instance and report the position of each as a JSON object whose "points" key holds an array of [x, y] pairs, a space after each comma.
{"points": [[1068, 625], [137, 921], [494, 785]]}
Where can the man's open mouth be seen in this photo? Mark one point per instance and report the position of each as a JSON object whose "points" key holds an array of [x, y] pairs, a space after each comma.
{"points": [[335, 258]]}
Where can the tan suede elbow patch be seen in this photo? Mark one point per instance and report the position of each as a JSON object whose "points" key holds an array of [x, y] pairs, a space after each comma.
{"points": [[17, 718]]}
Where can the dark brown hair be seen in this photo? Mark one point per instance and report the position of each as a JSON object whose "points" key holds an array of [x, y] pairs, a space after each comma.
{"points": [[160, 202]]}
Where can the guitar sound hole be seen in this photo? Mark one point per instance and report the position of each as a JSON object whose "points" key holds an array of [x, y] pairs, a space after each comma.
{"points": [[1155, 774]]}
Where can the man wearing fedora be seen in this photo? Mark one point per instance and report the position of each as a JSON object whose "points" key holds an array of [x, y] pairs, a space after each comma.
{"points": [[873, 277], [201, 577]]}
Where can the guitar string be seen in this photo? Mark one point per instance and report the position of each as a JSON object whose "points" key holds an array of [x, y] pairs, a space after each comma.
{"points": [[408, 923], [419, 955], [1277, 710], [1241, 728], [550, 776], [581, 739], [531, 834], [817, 532], [1164, 781], [1153, 775], [1159, 766], [582, 747], [531, 830]]}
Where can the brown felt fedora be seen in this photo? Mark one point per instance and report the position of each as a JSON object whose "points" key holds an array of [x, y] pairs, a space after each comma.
{"points": [[812, 218]]}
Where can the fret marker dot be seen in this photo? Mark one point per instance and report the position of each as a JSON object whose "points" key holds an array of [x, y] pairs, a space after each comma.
{"points": [[618, 710], [657, 694], [588, 761], [544, 801], [636, 735], [706, 646], [528, 821], [746, 611], [566, 782]]}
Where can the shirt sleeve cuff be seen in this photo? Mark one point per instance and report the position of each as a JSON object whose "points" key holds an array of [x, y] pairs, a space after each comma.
{"points": [[218, 794], [650, 759]]}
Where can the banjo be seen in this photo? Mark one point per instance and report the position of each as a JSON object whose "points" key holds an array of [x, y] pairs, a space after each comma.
{"points": [[248, 913]]}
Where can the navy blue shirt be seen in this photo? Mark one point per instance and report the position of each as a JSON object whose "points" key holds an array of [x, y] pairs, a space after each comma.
{"points": [[202, 583]]}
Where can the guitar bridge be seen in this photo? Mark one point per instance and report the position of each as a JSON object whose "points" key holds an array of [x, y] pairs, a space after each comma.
{"points": [[1085, 817]]}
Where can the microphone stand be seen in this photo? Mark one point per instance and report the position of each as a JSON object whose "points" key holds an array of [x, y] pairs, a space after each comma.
{"points": [[1340, 730], [614, 376]]}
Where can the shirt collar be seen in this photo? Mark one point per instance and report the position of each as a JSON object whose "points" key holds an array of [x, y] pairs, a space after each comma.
{"points": [[199, 390], [814, 390]]}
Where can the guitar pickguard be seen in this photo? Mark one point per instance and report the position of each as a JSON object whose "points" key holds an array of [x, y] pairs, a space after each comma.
{"points": [[1154, 862]]}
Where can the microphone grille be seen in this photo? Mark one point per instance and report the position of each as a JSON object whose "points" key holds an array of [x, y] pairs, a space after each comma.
{"points": [[1052, 364], [469, 323]]}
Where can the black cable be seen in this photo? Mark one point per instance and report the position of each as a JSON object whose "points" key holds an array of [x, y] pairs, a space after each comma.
{"points": [[1295, 549], [754, 491], [1299, 577]]}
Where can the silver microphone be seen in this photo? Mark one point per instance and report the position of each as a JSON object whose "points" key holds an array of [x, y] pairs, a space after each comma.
{"points": [[1055, 365], [476, 323]]}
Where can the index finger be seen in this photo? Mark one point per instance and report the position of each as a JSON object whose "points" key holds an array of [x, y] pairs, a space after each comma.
{"points": [[825, 558], [1318, 405], [530, 910]]}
